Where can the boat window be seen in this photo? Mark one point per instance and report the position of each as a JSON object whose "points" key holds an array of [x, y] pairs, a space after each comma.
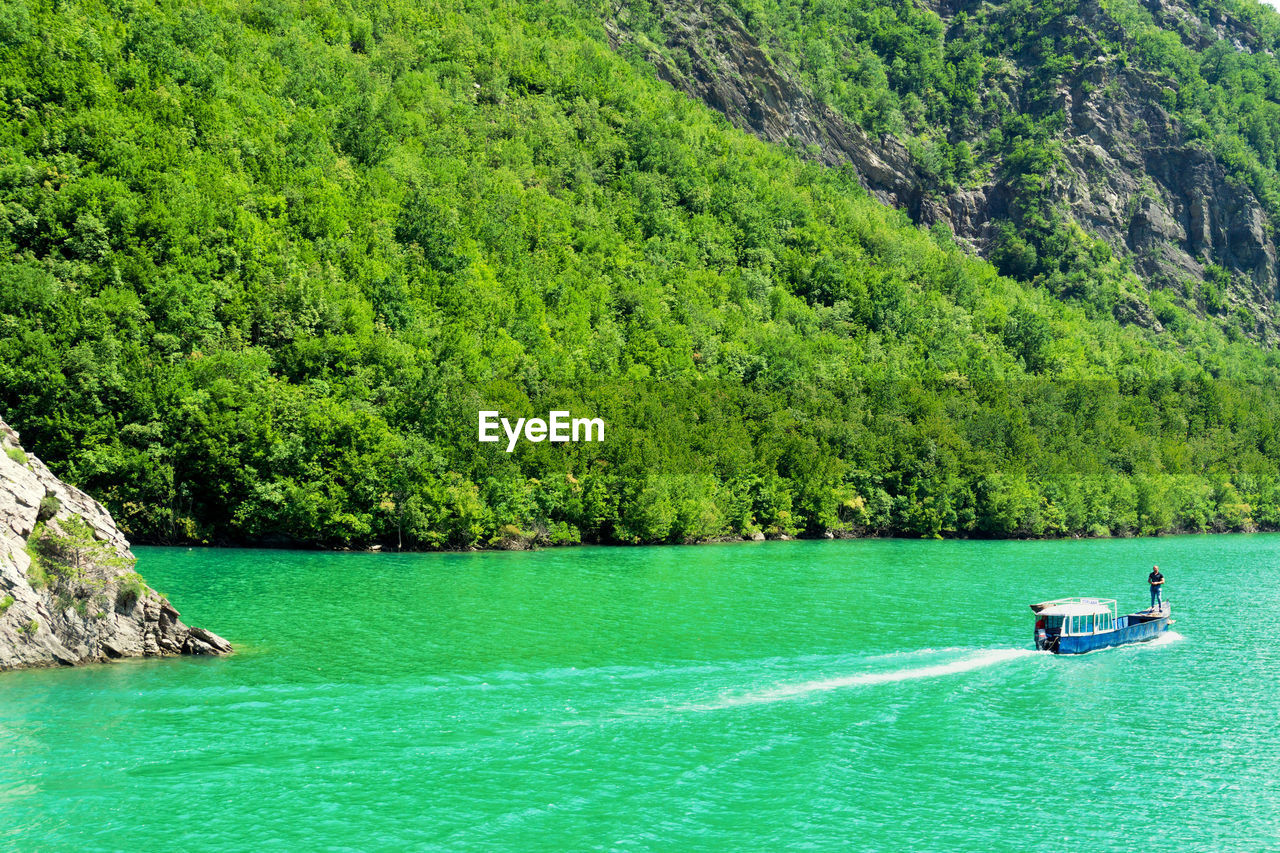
{"points": [[1053, 623], [1088, 624], [1075, 624]]}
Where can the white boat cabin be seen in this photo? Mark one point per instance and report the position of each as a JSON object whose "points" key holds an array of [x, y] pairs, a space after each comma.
{"points": [[1074, 617]]}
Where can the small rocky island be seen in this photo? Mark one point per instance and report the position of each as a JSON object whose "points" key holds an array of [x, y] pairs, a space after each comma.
{"points": [[68, 590]]}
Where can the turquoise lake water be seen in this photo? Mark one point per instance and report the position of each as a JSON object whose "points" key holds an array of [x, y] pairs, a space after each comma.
{"points": [[862, 695]]}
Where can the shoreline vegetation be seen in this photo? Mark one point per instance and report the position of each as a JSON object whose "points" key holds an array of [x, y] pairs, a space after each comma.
{"points": [[533, 543], [264, 263]]}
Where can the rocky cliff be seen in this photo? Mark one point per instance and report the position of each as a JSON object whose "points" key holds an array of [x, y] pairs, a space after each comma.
{"points": [[68, 591], [1128, 171]]}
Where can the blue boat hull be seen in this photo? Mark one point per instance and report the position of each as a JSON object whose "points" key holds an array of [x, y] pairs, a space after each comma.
{"points": [[1129, 630]]}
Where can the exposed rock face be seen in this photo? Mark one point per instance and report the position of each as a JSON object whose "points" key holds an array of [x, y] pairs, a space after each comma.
{"points": [[99, 609], [1130, 173], [1134, 179]]}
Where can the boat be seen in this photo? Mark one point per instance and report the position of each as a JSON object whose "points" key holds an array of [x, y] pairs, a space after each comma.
{"points": [[1073, 626]]}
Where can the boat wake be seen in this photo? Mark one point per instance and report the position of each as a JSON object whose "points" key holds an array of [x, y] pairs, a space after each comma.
{"points": [[1165, 639], [786, 692]]}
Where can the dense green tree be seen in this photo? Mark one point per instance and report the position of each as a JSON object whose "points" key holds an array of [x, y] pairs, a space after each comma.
{"points": [[263, 262]]}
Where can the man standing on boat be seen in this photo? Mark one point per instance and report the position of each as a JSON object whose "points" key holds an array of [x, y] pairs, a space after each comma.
{"points": [[1157, 583]]}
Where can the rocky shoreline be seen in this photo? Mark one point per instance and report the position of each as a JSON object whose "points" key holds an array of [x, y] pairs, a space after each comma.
{"points": [[68, 590]]}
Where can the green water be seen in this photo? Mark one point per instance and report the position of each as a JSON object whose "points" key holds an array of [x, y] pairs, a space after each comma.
{"points": [[875, 695]]}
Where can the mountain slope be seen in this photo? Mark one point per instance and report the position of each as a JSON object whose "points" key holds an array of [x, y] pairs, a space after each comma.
{"points": [[264, 263], [1155, 128]]}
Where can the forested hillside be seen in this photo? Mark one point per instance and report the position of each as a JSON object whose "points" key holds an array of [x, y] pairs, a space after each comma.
{"points": [[264, 261], [1029, 128]]}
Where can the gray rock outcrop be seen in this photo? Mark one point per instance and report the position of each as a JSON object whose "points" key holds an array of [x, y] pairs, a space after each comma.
{"points": [[68, 591]]}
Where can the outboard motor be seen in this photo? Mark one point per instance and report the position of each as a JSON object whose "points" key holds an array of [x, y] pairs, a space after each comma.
{"points": [[1042, 639]]}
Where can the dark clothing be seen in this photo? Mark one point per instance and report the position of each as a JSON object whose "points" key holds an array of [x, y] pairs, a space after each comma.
{"points": [[1157, 584]]}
